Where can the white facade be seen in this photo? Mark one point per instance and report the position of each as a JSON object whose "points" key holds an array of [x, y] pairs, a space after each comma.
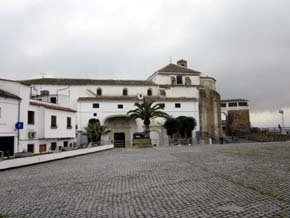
{"points": [[38, 133], [106, 101]]}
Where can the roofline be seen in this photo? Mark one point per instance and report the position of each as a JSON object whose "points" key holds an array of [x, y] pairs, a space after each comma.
{"points": [[208, 77], [230, 100], [9, 95], [15, 81], [51, 106], [42, 81]]}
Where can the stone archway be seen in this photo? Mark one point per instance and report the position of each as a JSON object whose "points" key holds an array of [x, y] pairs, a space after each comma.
{"points": [[122, 129]]}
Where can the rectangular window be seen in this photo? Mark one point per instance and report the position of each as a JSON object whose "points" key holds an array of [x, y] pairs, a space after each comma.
{"points": [[96, 105], [53, 123], [233, 104], [30, 148], [179, 80], [65, 144], [30, 117], [53, 146], [120, 106], [177, 105], [243, 103], [42, 148], [68, 123], [53, 100], [223, 105]]}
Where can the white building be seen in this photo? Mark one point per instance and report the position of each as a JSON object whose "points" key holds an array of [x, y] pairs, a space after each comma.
{"points": [[45, 125], [175, 86], [235, 115]]}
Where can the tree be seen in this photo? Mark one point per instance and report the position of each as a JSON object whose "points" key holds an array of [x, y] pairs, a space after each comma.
{"points": [[147, 110], [187, 125], [172, 126], [182, 125], [95, 130]]}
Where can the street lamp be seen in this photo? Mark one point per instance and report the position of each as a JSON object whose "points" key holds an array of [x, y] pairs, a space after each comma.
{"points": [[282, 113]]}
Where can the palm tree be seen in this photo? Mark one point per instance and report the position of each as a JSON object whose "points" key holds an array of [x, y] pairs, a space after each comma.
{"points": [[95, 130], [146, 111]]}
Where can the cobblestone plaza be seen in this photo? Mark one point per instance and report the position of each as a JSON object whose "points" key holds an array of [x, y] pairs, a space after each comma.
{"points": [[234, 180]]}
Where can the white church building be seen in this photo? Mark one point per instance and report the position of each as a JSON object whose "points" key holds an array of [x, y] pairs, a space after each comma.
{"points": [[183, 91]]}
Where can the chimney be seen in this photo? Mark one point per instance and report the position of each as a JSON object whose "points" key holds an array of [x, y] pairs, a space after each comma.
{"points": [[182, 63]]}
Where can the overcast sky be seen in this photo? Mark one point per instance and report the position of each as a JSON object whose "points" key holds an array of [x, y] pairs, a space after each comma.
{"points": [[244, 44]]}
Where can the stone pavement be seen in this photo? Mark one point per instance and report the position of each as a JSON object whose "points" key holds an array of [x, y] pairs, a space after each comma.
{"points": [[232, 180]]}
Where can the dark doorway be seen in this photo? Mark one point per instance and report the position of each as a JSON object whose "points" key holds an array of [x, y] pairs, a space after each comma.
{"points": [[7, 145], [119, 140]]}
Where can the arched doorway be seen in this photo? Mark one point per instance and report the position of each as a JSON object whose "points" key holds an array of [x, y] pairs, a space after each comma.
{"points": [[122, 129]]}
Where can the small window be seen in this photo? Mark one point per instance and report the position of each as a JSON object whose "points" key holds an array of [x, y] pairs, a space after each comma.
{"points": [[68, 123], [125, 92], [65, 144], [53, 100], [243, 104], [53, 146], [99, 92], [149, 92], [95, 114], [31, 117], [177, 105], [96, 105], [223, 105], [162, 105], [173, 80], [233, 104], [53, 122], [187, 81], [120, 106], [179, 80], [162, 92], [30, 148]]}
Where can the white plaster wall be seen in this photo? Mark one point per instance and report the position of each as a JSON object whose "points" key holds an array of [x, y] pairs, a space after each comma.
{"points": [[166, 79], [8, 116], [109, 109], [61, 131], [182, 91], [74, 92]]}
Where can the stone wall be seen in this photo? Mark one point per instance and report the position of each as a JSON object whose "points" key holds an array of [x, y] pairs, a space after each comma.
{"points": [[265, 137], [210, 114], [238, 121]]}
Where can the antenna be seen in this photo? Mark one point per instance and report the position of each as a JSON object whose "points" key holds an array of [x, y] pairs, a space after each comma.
{"points": [[43, 75]]}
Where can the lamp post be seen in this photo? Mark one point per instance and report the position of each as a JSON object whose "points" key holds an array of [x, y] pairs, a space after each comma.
{"points": [[282, 113]]}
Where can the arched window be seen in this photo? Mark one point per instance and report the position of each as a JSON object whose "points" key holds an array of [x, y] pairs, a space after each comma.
{"points": [[99, 92], [187, 81], [125, 92], [149, 92]]}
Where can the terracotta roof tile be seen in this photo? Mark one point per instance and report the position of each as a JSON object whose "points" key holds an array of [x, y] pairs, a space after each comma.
{"points": [[178, 69], [67, 81]]}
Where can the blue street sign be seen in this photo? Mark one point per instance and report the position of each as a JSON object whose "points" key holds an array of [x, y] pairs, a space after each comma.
{"points": [[19, 125]]}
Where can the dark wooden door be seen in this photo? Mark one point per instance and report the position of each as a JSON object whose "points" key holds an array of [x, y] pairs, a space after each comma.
{"points": [[119, 140]]}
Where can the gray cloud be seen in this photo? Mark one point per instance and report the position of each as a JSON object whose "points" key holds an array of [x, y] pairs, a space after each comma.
{"points": [[244, 44]]}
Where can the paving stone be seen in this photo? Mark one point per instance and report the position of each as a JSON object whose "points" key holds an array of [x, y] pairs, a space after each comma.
{"points": [[233, 180]]}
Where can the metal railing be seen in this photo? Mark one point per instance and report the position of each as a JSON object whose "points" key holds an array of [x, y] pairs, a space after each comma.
{"points": [[180, 141]]}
